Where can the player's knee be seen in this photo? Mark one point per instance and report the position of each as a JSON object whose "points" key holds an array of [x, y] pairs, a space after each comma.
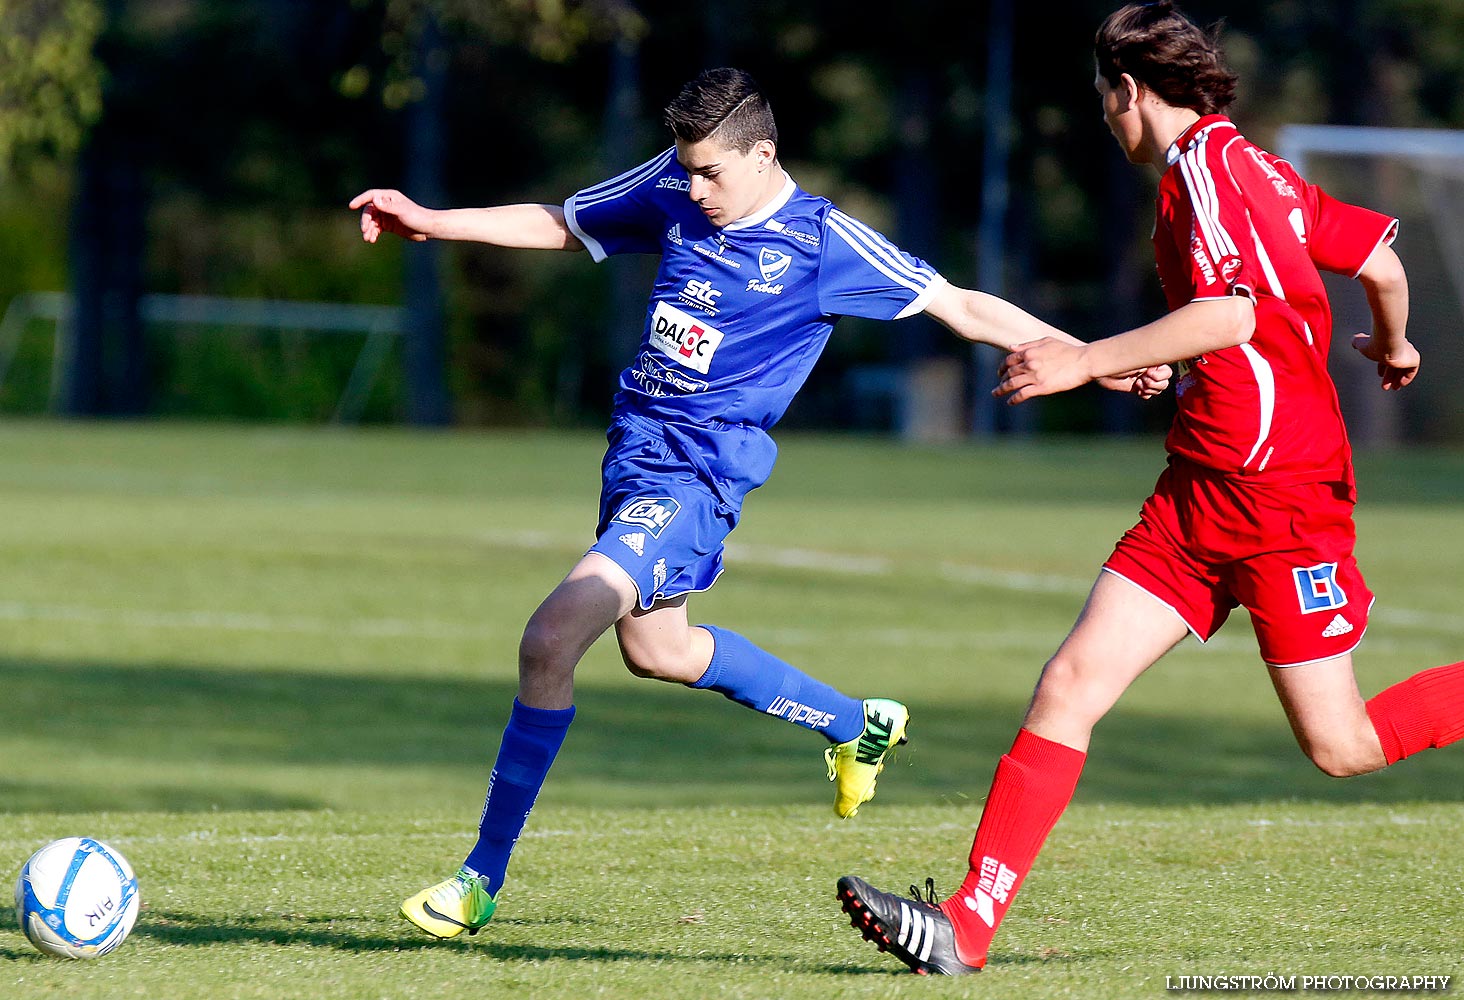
{"points": [[542, 645], [1066, 680], [1344, 761], [650, 660]]}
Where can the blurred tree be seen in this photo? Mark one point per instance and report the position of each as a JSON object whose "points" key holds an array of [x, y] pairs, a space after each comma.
{"points": [[225, 134], [50, 84]]}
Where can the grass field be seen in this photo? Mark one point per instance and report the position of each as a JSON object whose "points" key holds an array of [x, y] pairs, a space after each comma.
{"points": [[271, 666]]}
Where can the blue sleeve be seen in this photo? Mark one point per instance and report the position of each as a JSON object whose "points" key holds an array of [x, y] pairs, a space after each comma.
{"points": [[619, 215], [863, 274]]}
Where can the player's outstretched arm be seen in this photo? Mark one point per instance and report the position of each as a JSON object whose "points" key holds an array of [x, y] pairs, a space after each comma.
{"points": [[1050, 366], [533, 227], [986, 319], [1386, 285]]}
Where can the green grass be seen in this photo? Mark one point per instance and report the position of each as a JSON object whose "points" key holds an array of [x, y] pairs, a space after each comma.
{"points": [[271, 666]]}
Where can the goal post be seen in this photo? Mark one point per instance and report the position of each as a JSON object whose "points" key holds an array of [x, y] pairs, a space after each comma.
{"points": [[1418, 176]]}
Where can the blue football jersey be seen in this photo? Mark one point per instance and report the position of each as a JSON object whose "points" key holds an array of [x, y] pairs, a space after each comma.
{"points": [[739, 315]]}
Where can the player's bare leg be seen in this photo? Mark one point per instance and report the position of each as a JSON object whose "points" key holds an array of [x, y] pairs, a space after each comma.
{"points": [[1121, 631], [1329, 717], [662, 644], [1345, 735], [576, 613]]}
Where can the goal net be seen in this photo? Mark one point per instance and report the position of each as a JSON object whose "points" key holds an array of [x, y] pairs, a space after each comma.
{"points": [[1418, 176]]}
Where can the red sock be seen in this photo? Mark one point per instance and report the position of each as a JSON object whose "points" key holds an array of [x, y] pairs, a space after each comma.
{"points": [[1426, 710], [1034, 783]]}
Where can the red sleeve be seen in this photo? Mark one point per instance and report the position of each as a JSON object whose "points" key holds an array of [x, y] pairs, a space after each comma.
{"points": [[1341, 237], [1209, 217]]}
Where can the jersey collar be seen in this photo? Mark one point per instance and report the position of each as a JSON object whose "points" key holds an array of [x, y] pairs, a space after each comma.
{"points": [[1192, 135], [767, 211]]}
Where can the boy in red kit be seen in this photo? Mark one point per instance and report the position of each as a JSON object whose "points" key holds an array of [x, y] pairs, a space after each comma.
{"points": [[1255, 507]]}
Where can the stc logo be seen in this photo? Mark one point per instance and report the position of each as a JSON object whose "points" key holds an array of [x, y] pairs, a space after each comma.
{"points": [[684, 338], [700, 293]]}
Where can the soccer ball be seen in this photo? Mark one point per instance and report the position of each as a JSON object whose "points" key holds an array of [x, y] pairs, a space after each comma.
{"points": [[76, 898]]}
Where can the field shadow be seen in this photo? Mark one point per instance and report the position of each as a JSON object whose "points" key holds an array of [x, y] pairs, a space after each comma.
{"points": [[646, 743], [179, 928]]}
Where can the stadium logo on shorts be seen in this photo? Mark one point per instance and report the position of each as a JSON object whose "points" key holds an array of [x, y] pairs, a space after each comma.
{"points": [[651, 513], [1316, 588]]}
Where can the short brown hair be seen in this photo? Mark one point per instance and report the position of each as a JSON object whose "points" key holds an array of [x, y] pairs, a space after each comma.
{"points": [[725, 103], [1168, 53]]}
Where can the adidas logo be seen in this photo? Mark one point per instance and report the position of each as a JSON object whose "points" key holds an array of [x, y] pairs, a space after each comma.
{"points": [[673, 234], [1339, 626], [635, 541]]}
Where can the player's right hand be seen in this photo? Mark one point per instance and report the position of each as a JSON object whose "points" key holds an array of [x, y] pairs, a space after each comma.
{"points": [[1397, 363], [384, 210]]}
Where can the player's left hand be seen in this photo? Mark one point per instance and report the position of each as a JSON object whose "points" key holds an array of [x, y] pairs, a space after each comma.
{"points": [[1041, 368], [1145, 383], [1396, 366]]}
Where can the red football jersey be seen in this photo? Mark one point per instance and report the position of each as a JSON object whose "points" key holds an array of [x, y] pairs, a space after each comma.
{"points": [[1235, 219]]}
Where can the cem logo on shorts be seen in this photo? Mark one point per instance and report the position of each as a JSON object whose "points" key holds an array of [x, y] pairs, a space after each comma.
{"points": [[651, 513]]}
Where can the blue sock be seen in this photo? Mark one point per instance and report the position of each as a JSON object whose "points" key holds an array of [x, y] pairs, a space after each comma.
{"points": [[756, 678], [530, 740]]}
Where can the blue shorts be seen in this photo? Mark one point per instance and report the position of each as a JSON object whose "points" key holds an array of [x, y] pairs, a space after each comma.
{"points": [[667, 504]]}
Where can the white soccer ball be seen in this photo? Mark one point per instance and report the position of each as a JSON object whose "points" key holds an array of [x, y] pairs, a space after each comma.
{"points": [[77, 898]]}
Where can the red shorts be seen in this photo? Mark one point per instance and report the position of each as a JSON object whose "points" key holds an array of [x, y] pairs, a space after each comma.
{"points": [[1206, 543]]}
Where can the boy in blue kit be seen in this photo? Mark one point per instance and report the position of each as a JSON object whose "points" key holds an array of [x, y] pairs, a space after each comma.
{"points": [[754, 271]]}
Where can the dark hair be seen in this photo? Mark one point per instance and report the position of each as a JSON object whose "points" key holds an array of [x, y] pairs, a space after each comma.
{"points": [[725, 103], [1168, 53]]}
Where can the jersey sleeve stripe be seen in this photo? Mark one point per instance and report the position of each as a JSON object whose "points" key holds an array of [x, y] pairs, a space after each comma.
{"points": [[919, 302], [617, 186], [1200, 210], [888, 250], [597, 252], [881, 246], [1386, 240], [1208, 176], [863, 250], [1205, 203]]}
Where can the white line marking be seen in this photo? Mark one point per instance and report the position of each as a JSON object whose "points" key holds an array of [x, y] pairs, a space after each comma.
{"points": [[815, 560], [232, 621]]}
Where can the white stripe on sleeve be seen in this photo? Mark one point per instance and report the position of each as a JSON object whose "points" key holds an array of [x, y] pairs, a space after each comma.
{"points": [[886, 250], [622, 183], [862, 249], [597, 252]]}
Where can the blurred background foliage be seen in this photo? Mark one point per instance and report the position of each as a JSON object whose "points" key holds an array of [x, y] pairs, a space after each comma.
{"points": [[208, 147]]}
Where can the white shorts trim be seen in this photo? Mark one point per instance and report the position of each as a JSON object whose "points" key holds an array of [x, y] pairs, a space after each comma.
{"points": [[659, 595]]}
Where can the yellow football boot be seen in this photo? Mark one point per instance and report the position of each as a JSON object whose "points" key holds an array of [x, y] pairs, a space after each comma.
{"points": [[461, 903], [856, 764]]}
